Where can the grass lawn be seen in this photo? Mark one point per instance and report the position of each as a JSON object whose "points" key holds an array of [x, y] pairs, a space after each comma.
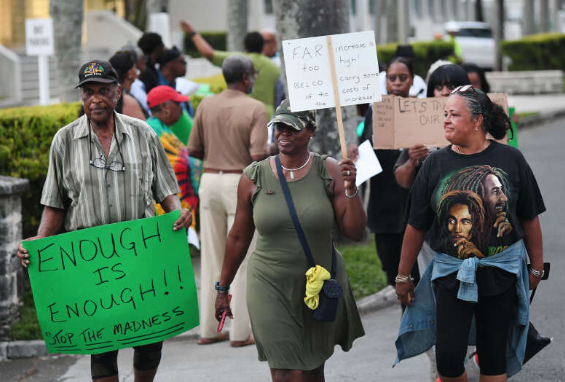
{"points": [[363, 268], [528, 114], [27, 328]]}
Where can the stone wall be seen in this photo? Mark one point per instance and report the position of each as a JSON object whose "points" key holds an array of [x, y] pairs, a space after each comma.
{"points": [[11, 272]]}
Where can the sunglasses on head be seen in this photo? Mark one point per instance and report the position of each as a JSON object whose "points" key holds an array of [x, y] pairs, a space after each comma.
{"points": [[464, 89]]}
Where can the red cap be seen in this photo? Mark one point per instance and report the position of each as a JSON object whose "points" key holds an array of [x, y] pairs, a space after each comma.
{"points": [[163, 93]]}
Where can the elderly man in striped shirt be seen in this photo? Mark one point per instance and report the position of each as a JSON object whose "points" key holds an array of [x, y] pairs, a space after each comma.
{"points": [[105, 168]]}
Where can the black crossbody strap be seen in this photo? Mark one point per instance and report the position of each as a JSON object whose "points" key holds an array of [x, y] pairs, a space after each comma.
{"points": [[296, 222]]}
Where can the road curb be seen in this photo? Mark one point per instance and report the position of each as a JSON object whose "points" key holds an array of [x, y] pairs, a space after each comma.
{"points": [[36, 348], [380, 300], [542, 117]]}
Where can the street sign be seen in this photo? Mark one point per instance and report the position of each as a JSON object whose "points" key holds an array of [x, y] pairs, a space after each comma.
{"points": [[39, 37], [39, 42]]}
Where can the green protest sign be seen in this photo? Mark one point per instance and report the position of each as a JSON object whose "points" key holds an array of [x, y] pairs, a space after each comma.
{"points": [[113, 286]]}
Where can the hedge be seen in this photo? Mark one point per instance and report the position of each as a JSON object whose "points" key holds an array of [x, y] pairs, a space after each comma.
{"points": [[25, 139], [544, 51], [218, 41]]}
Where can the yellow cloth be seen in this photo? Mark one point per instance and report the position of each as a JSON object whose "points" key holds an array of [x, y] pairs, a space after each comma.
{"points": [[315, 278]]}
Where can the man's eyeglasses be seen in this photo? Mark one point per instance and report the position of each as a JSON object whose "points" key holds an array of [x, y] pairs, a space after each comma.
{"points": [[101, 162]]}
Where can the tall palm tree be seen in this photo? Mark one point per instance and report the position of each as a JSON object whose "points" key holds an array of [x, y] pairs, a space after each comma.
{"points": [[67, 18], [237, 24]]}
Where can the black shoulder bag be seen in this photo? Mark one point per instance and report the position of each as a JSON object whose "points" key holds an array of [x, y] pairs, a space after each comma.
{"points": [[331, 291]]}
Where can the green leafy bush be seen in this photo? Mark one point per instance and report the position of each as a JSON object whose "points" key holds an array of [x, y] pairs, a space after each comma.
{"points": [[544, 51], [25, 139], [218, 41], [27, 327], [427, 52]]}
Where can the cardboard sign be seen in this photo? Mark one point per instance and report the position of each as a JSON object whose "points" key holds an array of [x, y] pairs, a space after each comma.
{"points": [[113, 286], [308, 63], [39, 37], [403, 122]]}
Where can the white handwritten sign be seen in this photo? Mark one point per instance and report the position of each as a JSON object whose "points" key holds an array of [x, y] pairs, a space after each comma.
{"points": [[309, 70], [39, 37]]}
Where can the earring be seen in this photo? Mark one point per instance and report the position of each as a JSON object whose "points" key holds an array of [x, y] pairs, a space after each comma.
{"points": [[476, 128]]}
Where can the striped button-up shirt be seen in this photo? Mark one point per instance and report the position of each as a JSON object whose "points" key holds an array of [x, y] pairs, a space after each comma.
{"points": [[93, 196]]}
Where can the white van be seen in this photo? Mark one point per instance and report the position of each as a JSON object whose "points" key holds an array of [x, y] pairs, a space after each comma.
{"points": [[475, 40]]}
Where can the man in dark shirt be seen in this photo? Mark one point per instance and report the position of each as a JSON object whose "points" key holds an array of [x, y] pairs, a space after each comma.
{"points": [[153, 48]]}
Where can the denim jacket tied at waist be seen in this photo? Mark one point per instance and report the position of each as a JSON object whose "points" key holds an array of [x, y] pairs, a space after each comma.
{"points": [[417, 329]]}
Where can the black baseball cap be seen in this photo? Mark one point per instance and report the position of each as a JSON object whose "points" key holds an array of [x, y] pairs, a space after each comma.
{"points": [[97, 71]]}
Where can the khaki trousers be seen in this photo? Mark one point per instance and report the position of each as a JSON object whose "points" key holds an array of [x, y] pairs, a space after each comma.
{"points": [[218, 200]]}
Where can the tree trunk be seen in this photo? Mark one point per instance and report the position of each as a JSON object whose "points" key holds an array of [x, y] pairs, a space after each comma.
{"points": [[392, 21], [403, 20], [237, 24], [479, 10], [544, 16], [67, 18], [310, 18], [528, 25], [380, 10], [157, 6]]}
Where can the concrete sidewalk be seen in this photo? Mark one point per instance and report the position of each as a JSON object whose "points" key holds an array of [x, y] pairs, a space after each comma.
{"points": [[370, 359]]}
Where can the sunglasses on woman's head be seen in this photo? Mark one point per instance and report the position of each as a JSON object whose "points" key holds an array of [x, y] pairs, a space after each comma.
{"points": [[464, 89]]}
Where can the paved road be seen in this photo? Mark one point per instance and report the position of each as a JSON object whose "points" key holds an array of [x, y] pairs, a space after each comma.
{"points": [[543, 148]]}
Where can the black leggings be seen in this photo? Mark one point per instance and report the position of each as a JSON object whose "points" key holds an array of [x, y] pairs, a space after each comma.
{"points": [[145, 357], [493, 315]]}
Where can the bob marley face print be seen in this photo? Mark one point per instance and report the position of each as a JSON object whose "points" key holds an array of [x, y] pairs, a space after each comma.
{"points": [[460, 216], [472, 211], [459, 222]]}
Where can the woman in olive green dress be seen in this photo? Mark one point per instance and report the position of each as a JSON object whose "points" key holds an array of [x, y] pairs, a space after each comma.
{"points": [[324, 194]]}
